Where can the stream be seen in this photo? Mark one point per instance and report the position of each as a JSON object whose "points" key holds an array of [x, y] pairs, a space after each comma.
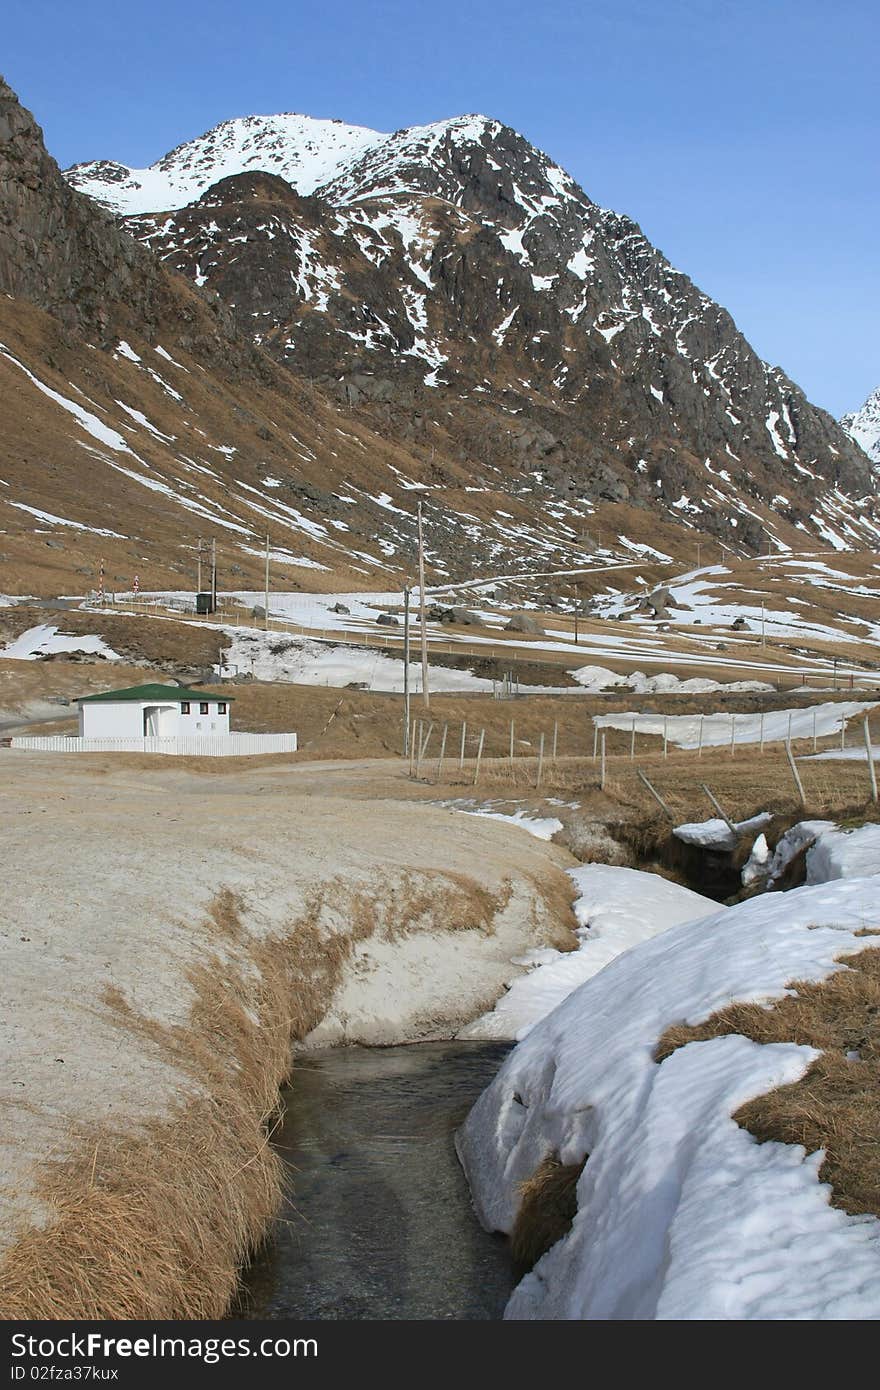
{"points": [[377, 1220]]}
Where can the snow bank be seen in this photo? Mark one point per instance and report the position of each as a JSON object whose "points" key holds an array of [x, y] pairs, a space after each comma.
{"points": [[681, 1214], [755, 867], [776, 725], [616, 908], [845, 854], [600, 678], [542, 827], [717, 834], [46, 639]]}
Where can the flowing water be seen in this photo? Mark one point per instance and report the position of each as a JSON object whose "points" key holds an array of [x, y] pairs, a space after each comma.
{"points": [[377, 1219]]}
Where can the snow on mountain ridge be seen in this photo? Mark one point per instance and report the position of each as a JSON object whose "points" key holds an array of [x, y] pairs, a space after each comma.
{"points": [[308, 152], [304, 150], [864, 426]]}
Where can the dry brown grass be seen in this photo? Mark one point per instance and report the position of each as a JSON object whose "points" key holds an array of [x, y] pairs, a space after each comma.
{"points": [[547, 1207], [835, 1106], [155, 1223], [412, 901]]}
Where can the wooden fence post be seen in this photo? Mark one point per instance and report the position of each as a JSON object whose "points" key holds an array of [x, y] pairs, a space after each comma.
{"points": [[794, 772], [602, 765], [512, 772], [479, 756], [761, 734], [463, 744], [632, 742], [869, 752], [732, 734], [555, 739], [423, 748], [442, 751], [666, 735], [719, 808], [595, 738], [700, 744], [540, 761], [415, 736], [656, 795]]}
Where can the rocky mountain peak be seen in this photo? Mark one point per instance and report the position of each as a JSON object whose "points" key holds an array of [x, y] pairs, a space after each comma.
{"points": [[863, 426]]}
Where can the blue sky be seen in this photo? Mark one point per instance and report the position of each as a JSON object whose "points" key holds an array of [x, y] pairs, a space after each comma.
{"points": [[744, 138]]}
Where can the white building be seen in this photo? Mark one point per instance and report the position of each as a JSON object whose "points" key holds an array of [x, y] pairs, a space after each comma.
{"points": [[152, 711]]}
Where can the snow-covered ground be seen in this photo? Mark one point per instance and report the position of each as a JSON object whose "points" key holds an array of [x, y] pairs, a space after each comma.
{"points": [[542, 827], [46, 640], [274, 656], [775, 726], [856, 754], [681, 1214], [616, 908], [713, 598], [314, 612]]}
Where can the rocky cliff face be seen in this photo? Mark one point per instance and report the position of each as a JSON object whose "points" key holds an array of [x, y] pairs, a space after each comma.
{"points": [[454, 268], [66, 255]]}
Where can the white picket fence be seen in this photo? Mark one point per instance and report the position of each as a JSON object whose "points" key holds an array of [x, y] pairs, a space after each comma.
{"points": [[190, 745]]}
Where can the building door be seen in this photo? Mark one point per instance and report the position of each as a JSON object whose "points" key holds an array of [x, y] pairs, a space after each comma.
{"points": [[160, 721]]}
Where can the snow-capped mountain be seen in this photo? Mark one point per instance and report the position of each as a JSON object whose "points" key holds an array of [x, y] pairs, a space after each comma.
{"points": [[864, 426], [458, 259], [304, 151]]}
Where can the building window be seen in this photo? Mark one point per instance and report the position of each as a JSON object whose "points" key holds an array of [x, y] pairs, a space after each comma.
{"points": [[221, 707], [184, 707], [203, 707]]}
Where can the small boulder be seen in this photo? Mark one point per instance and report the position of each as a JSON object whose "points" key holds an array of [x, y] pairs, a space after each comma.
{"points": [[388, 620], [524, 622], [463, 616]]}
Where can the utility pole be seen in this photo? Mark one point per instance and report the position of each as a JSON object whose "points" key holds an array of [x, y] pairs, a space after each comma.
{"points": [[763, 643], [199, 579], [266, 607], [425, 692], [576, 606], [406, 729], [699, 551], [213, 576]]}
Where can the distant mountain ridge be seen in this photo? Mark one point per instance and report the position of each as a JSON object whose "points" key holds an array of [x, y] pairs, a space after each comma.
{"points": [[863, 426], [455, 262]]}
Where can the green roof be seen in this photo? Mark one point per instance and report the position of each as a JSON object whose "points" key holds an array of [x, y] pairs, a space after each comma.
{"points": [[167, 694]]}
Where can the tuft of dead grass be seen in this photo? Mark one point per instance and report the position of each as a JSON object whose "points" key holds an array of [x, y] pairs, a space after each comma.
{"points": [[547, 1207], [835, 1106], [155, 1223]]}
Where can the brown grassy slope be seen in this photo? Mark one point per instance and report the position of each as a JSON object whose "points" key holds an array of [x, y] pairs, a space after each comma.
{"points": [[836, 1105]]}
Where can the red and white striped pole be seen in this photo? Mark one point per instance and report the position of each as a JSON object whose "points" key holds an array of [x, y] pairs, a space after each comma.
{"points": [[101, 583], [136, 586]]}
